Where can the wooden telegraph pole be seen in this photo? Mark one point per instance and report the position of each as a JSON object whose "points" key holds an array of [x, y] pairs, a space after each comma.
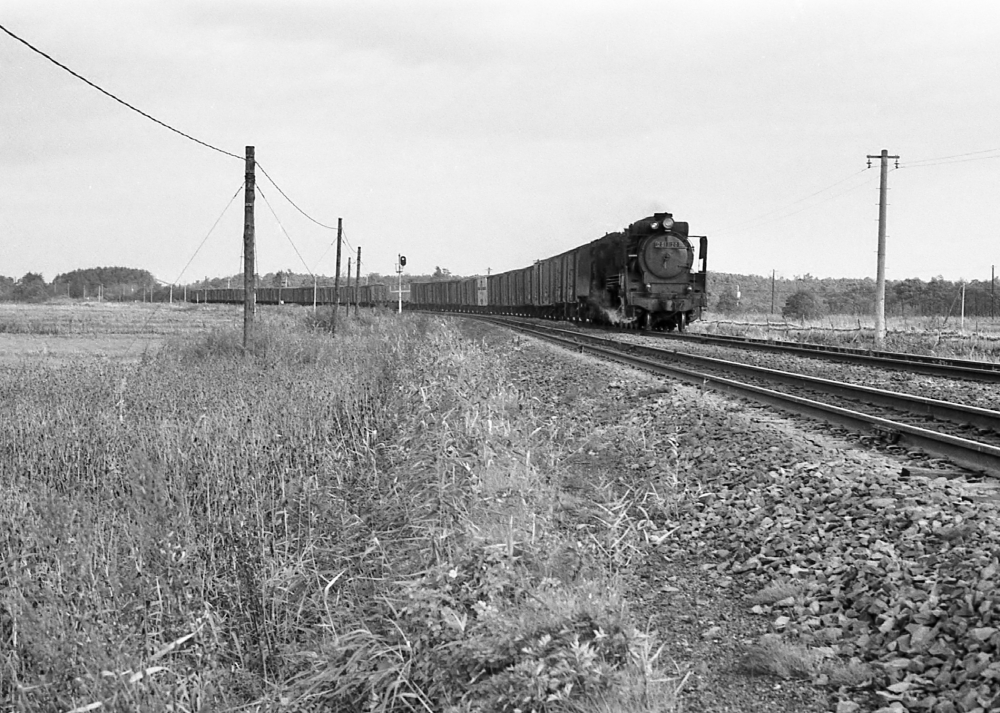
{"points": [[336, 280], [772, 290], [880, 270], [347, 304], [357, 283], [249, 281]]}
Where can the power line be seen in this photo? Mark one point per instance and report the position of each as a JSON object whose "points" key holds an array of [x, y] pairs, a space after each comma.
{"points": [[112, 96], [268, 203], [818, 203], [325, 252], [184, 269], [945, 162], [758, 220], [161, 123], [946, 159], [322, 225], [205, 239]]}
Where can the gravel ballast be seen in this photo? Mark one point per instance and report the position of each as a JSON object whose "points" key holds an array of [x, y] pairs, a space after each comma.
{"points": [[887, 581]]}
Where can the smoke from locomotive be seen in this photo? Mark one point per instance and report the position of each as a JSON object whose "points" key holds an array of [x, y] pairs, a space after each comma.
{"points": [[644, 276]]}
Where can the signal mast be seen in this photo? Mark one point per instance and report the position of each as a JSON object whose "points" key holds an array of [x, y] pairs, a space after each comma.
{"points": [[400, 264]]}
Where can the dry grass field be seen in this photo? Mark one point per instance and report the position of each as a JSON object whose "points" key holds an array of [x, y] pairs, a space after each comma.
{"points": [[65, 331], [363, 523]]}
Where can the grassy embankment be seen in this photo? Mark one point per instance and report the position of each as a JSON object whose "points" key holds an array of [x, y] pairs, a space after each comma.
{"points": [[363, 523]]}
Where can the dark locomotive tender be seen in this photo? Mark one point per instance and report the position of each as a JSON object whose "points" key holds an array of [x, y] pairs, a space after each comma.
{"points": [[644, 277]]}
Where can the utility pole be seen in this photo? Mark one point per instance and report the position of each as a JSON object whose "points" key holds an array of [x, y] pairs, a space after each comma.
{"points": [[249, 284], [962, 323], [880, 272], [347, 305], [993, 286], [357, 283], [772, 290], [336, 279]]}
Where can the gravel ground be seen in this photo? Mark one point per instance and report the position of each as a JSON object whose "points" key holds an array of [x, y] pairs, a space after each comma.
{"points": [[688, 586]]}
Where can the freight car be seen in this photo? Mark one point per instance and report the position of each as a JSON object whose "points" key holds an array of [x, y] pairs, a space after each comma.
{"points": [[375, 295], [644, 276]]}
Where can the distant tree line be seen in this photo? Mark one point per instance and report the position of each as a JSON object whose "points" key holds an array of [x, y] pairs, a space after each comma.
{"points": [[110, 283], [754, 294], [126, 284], [729, 293]]}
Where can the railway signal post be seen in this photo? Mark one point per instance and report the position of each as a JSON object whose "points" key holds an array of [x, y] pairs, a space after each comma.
{"points": [[400, 264], [880, 271]]}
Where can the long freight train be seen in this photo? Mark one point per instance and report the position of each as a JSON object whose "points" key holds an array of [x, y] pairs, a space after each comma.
{"points": [[644, 276], [376, 295]]}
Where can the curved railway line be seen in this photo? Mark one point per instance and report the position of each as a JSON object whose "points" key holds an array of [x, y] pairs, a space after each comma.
{"points": [[967, 436]]}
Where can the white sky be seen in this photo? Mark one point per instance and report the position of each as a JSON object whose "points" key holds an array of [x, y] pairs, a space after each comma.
{"points": [[475, 135]]}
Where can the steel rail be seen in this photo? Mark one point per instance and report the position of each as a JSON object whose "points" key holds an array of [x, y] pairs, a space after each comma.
{"points": [[915, 363], [933, 408], [961, 451], [948, 367]]}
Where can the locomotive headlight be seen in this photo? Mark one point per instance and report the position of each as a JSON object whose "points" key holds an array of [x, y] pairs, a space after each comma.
{"points": [[654, 225], [668, 223]]}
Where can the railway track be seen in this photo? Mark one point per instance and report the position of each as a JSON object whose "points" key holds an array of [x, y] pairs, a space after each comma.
{"points": [[952, 368], [967, 436], [913, 363]]}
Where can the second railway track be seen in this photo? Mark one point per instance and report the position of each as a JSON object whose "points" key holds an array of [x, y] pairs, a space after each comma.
{"points": [[968, 436], [912, 363]]}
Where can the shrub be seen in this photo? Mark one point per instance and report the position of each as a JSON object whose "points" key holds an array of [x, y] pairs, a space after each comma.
{"points": [[728, 302], [803, 305]]}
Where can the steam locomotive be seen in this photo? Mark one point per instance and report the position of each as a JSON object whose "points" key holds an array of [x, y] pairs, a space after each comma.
{"points": [[644, 277]]}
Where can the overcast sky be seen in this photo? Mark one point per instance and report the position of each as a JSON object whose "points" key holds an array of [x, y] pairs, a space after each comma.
{"points": [[473, 135]]}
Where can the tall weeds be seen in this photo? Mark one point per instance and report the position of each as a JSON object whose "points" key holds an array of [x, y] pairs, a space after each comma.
{"points": [[354, 524]]}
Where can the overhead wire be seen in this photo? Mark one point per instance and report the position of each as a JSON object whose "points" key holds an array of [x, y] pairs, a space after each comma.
{"points": [[758, 220], [325, 252], [210, 231], [186, 266], [926, 163], [112, 96], [289, 237], [162, 123], [294, 204], [343, 236]]}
